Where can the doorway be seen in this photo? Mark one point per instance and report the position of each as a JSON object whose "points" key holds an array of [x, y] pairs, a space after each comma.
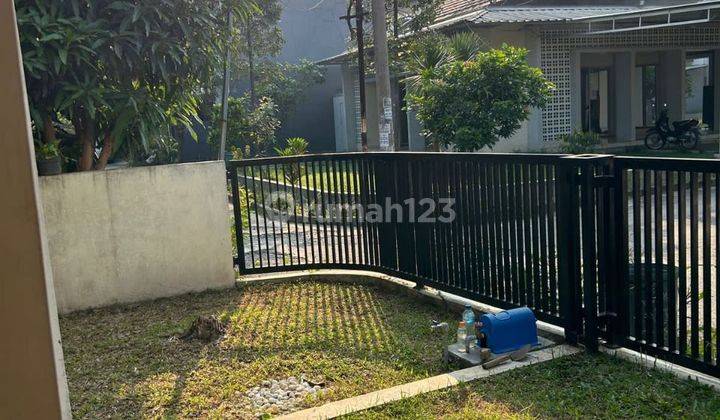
{"points": [[699, 89], [595, 95]]}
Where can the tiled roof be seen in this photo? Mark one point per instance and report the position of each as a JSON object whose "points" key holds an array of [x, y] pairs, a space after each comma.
{"points": [[453, 8], [542, 14]]}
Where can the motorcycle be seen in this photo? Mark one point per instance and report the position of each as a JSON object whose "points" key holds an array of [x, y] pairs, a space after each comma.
{"points": [[685, 133]]}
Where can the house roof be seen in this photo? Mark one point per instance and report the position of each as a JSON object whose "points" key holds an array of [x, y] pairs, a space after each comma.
{"points": [[544, 14], [484, 12], [453, 8]]}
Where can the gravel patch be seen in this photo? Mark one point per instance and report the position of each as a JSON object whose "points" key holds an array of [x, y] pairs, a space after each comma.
{"points": [[281, 396]]}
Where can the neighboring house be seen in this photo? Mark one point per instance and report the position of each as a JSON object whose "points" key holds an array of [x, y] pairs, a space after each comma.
{"points": [[614, 64], [313, 30]]}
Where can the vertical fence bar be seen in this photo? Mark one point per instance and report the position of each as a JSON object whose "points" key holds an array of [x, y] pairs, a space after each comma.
{"points": [[519, 241], [296, 220], [535, 230], [619, 276], [587, 199], [455, 229], [527, 237], [707, 270], [495, 231], [637, 257], [335, 221], [485, 231], [659, 263], [542, 204], [672, 288], [270, 210], [233, 175], [694, 271], [682, 263], [423, 234], [552, 246], [250, 226], [647, 263], [512, 222], [477, 227], [717, 269], [568, 278], [385, 172], [461, 219], [405, 232], [366, 200], [358, 209], [502, 204], [266, 232]]}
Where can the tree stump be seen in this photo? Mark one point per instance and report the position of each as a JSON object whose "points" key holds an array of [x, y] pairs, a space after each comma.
{"points": [[204, 328]]}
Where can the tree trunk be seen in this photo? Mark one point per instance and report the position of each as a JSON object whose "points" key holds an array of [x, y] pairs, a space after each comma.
{"points": [[85, 131], [105, 153], [48, 130], [88, 151]]}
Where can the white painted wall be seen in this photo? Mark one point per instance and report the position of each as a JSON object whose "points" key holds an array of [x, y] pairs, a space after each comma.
{"points": [[137, 234]]}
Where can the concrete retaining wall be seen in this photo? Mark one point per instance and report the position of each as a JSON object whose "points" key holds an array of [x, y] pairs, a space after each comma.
{"points": [[136, 234]]}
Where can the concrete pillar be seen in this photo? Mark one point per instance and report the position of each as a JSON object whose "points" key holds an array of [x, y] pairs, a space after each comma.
{"points": [[416, 141], [716, 87], [623, 89], [534, 124], [576, 91], [32, 374], [352, 110], [671, 83]]}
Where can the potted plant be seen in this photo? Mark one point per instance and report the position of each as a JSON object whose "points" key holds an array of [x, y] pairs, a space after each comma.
{"points": [[48, 158]]}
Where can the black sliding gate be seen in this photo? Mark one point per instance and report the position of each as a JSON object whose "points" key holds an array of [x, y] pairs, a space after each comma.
{"points": [[613, 249]]}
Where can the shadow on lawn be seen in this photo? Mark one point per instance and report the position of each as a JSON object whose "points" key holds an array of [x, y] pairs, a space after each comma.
{"points": [[122, 362]]}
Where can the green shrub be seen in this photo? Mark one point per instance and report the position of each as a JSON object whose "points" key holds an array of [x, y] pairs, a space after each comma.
{"points": [[47, 150], [294, 146], [472, 103], [579, 142]]}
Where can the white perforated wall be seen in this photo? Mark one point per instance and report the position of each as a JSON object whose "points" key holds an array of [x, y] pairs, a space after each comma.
{"points": [[557, 45]]}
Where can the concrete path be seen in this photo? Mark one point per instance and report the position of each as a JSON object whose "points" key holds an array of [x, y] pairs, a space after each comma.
{"points": [[435, 383]]}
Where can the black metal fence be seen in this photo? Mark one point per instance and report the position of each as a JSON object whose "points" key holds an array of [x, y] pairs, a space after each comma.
{"points": [[614, 249]]}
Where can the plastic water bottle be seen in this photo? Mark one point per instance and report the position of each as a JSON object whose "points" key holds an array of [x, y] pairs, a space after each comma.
{"points": [[469, 317], [461, 335]]}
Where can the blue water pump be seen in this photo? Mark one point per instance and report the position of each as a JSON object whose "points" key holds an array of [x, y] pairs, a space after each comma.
{"points": [[510, 330]]}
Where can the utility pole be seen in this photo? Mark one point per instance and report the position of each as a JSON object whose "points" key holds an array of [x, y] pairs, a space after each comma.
{"points": [[251, 66], [382, 77], [226, 90], [359, 34]]}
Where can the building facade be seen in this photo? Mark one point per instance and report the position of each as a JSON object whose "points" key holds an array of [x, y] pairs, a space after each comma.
{"points": [[614, 65], [312, 30]]}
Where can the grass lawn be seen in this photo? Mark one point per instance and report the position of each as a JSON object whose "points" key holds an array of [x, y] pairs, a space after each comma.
{"points": [[122, 362], [579, 386], [341, 177]]}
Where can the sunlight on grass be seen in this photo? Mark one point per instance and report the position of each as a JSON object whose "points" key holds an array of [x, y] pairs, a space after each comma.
{"points": [[121, 361], [579, 386]]}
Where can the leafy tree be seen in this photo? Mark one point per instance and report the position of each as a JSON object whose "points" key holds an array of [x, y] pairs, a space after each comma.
{"points": [[113, 71], [287, 83], [251, 129], [473, 103]]}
